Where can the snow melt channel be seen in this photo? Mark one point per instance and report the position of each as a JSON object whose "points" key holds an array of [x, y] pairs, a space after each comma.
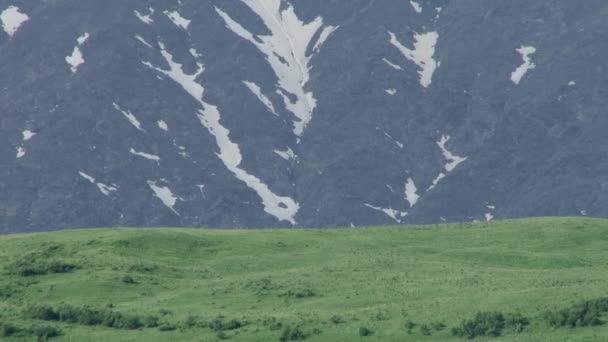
{"points": [[283, 208], [287, 51], [12, 19], [421, 55]]}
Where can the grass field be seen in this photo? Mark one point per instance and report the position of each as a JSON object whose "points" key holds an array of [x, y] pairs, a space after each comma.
{"points": [[363, 284]]}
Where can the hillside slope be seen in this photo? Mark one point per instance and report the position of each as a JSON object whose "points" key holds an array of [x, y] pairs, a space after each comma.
{"points": [[300, 113], [324, 285]]}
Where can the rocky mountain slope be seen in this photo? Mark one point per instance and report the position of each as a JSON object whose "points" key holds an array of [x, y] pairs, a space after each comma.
{"points": [[266, 113]]}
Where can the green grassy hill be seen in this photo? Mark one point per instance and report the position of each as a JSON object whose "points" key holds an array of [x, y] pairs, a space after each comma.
{"points": [[377, 284]]}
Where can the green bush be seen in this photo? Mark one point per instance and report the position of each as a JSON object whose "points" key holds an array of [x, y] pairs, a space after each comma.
{"points": [[484, 324], [438, 326], [583, 314], [335, 319], [425, 330], [299, 294], [409, 326], [364, 331], [221, 324], [45, 333], [86, 315], [293, 334], [29, 266], [127, 279]]}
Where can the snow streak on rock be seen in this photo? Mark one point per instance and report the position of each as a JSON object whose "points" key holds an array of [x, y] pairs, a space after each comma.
{"points": [[255, 89], [165, 195], [453, 160], [76, 59], [391, 64], [103, 188], [178, 20], [12, 19], [27, 135], [145, 18], [20, 152], [163, 125], [132, 119], [411, 192], [519, 73], [287, 155], [283, 208], [416, 6], [390, 212], [145, 155], [421, 55], [288, 49]]}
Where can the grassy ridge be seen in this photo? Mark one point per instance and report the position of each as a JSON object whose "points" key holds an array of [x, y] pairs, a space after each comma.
{"points": [[327, 285]]}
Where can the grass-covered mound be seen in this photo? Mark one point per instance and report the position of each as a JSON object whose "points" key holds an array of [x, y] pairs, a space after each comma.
{"points": [[522, 280]]}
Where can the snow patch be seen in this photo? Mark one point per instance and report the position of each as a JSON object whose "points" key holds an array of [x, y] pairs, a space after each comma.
{"points": [[519, 73], [392, 65], [103, 188], [255, 89], [390, 212], [283, 208], [453, 160], [165, 195], [287, 155], [489, 217], [571, 83], [12, 19], [439, 177], [147, 18], [287, 51], [132, 119], [391, 91], [20, 152], [163, 125], [27, 135], [178, 20], [421, 55], [416, 6], [76, 59], [143, 41], [411, 192], [145, 155]]}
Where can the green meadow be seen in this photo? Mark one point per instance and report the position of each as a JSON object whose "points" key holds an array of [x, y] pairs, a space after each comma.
{"points": [[542, 279]]}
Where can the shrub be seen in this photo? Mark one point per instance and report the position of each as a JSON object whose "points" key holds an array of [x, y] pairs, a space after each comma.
{"points": [[272, 323], [484, 324], [222, 336], [299, 294], [7, 330], [293, 334], [425, 330], [127, 279], [409, 326], [44, 333], [89, 316], [364, 331], [335, 319], [220, 324], [28, 266], [167, 327], [438, 326]]}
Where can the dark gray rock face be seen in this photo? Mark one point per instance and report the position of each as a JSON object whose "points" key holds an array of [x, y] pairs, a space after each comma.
{"points": [[279, 113]]}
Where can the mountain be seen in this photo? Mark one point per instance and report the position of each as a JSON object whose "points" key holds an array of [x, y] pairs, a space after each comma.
{"points": [[270, 113]]}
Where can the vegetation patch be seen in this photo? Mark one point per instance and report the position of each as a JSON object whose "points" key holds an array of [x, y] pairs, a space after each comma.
{"points": [[489, 324], [39, 333], [86, 315], [583, 314]]}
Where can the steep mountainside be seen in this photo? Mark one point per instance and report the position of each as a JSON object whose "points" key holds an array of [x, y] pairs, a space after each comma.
{"points": [[266, 113]]}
